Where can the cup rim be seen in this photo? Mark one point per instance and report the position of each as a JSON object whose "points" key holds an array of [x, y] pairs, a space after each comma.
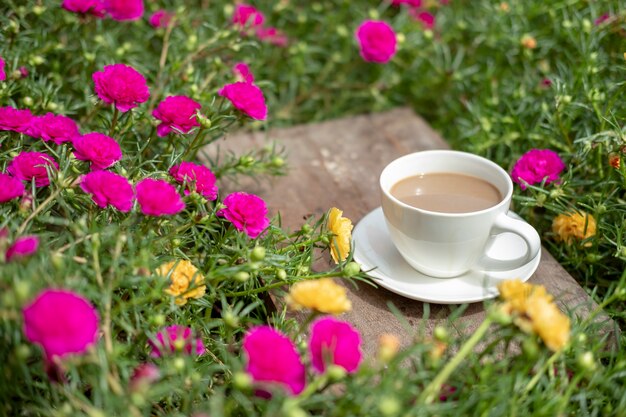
{"points": [[505, 200]]}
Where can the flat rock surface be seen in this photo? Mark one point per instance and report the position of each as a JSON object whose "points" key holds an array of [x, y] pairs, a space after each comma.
{"points": [[337, 164]]}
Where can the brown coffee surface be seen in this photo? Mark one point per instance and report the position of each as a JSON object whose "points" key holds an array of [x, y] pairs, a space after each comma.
{"points": [[446, 192]]}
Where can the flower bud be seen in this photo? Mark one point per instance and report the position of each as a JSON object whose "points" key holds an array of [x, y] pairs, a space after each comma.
{"points": [[586, 361], [242, 381], [351, 269], [336, 373], [179, 364], [158, 319], [257, 254], [388, 347], [241, 276], [389, 406], [306, 228], [277, 162], [230, 319], [281, 274], [38, 10], [28, 101], [441, 333], [204, 121]]}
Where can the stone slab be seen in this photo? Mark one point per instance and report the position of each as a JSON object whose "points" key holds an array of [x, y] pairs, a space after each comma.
{"points": [[337, 164]]}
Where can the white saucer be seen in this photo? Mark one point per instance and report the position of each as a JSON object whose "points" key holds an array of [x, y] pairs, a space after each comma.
{"points": [[378, 256]]}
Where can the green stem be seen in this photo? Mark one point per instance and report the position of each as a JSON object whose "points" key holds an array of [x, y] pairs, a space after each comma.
{"points": [[38, 210], [430, 392], [114, 121], [544, 368], [192, 144]]}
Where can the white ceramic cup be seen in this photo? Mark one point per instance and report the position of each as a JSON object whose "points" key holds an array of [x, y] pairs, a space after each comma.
{"points": [[447, 245]]}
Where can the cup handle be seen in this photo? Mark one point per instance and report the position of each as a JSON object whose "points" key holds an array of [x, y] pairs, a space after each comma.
{"points": [[503, 224]]}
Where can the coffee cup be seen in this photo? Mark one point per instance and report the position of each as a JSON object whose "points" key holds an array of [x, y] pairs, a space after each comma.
{"points": [[458, 205]]}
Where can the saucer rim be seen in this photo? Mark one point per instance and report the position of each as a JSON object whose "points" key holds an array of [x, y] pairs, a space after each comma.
{"points": [[386, 282]]}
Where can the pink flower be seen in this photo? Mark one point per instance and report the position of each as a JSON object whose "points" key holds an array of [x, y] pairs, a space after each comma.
{"points": [[99, 149], [93, 7], [144, 375], [27, 166], [605, 17], [413, 3], [246, 97], [108, 188], [176, 112], [56, 128], [3, 75], [425, 18], [22, 247], [16, 120], [161, 19], [246, 212], [535, 166], [334, 342], [272, 35], [158, 198], [242, 73], [197, 178], [10, 188], [62, 322], [175, 338], [121, 85], [247, 16], [272, 358], [377, 41], [124, 9], [23, 71]]}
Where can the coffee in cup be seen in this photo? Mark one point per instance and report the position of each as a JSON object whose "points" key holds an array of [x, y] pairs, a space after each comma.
{"points": [[443, 210]]}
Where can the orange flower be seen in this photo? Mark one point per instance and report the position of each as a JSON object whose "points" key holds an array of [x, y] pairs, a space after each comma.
{"points": [[528, 42], [614, 160]]}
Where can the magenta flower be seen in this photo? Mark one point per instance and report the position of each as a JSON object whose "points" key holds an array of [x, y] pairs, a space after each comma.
{"points": [[176, 112], [272, 35], [247, 212], [27, 166], [334, 342], [535, 166], [377, 41], [10, 188], [73, 329], [124, 9], [242, 73], [427, 19], [247, 98], [158, 198], [197, 178], [3, 75], [56, 128], [271, 358], [93, 7], [23, 71], [247, 16], [16, 120], [22, 247], [175, 338], [108, 188], [121, 85], [161, 19], [99, 149]]}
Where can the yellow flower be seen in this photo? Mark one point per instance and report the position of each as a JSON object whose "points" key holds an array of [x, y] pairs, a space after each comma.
{"points": [[574, 226], [534, 311], [341, 227], [548, 322], [323, 295], [182, 274]]}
